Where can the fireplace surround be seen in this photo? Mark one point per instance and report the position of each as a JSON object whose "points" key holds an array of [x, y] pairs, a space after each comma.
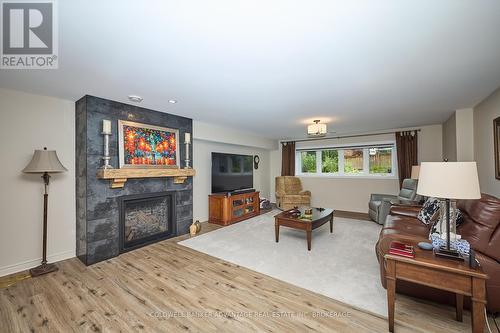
{"points": [[97, 204]]}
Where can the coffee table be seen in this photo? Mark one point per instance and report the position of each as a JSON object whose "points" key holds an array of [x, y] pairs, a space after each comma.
{"points": [[288, 219]]}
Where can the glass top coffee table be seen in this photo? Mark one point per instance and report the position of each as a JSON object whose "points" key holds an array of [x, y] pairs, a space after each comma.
{"points": [[294, 218]]}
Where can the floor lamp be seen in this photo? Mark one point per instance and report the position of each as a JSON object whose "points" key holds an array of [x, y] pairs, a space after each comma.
{"points": [[449, 181], [44, 162]]}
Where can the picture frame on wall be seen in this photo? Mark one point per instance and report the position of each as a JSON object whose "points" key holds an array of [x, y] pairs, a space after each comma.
{"points": [[147, 146], [496, 139]]}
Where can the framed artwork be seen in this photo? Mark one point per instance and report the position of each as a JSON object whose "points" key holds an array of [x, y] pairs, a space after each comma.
{"points": [[496, 138], [147, 146]]}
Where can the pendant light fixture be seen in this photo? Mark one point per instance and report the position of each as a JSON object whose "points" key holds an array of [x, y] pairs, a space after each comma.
{"points": [[316, 129]]}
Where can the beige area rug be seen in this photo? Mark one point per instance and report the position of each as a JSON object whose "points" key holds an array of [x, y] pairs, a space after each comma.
{"points": [[342, 265]]}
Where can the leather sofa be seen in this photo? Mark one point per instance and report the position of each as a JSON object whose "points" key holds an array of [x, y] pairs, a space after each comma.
{"points": [[289, 193], [480, 227], [380, 204]]}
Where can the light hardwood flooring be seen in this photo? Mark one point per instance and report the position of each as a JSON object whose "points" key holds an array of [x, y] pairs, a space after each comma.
{"points": [[166, 287]]}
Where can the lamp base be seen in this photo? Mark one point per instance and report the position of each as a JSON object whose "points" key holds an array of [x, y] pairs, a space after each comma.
{"points": [[443, 252], [43, 269]]}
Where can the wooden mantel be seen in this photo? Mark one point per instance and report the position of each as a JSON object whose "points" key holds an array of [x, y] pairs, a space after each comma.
{"points": [[118, 177]]}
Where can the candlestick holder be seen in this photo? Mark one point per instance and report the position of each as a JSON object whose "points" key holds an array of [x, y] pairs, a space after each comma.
{"points": [[187, 161], [106, 158]]}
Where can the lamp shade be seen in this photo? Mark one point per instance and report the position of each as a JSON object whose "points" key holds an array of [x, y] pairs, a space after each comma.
{"points": [[449, 180], [44, 161], [415, 171]]}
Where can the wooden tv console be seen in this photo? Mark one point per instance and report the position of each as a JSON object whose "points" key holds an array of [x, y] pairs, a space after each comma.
{"points": [[225, 210]]}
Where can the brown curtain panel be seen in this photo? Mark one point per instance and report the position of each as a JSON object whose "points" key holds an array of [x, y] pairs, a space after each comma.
{"points": [[407, 147], [288, 158]]}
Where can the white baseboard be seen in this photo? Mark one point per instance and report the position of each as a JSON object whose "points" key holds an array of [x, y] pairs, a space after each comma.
{"points": [[11, 269]]}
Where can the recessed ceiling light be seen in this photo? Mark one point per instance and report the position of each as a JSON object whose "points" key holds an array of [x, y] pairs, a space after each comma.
{"points": [[135, 98], [172, 101]]}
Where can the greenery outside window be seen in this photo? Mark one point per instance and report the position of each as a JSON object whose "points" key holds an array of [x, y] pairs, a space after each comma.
{"points": [[329, 161], [308, 161], [380, 160]]}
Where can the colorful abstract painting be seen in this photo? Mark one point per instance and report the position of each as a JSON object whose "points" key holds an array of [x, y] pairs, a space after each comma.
{"points": [[147, 146]]}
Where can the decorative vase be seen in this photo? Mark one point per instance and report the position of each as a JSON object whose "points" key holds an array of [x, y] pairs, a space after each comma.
{"points": [[192, 229], [198, 226]]}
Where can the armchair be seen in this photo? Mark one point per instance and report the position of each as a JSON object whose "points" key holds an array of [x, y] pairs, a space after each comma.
{"points": [[289, 193], [380, 204]]}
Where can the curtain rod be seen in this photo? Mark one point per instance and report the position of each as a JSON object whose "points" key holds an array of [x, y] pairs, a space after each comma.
{"points": [[347, 136]]}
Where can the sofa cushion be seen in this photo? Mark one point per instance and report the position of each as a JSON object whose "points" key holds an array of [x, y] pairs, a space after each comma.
{"points": [[295, 198], [403, 225], [409, 211], [481, 224]]}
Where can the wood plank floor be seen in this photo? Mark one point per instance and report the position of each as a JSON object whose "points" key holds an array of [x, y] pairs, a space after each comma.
{"points": [[166, 287]]}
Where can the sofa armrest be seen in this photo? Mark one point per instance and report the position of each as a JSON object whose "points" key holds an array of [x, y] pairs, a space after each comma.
{"points": [[383, 197], [279, 194], [383, 211], [411, 211], [307, 193]]}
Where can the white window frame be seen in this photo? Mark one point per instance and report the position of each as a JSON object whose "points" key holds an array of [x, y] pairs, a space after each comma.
{"points": [[341, 174]]}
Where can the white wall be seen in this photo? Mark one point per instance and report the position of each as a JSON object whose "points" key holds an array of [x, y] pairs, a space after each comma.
{"points": [[484, 114], [353, 194], [465, 135], [430, 144], [29, 122], [458, 136], [450, 138], [214, 133], [275, 170], [202, 149]]}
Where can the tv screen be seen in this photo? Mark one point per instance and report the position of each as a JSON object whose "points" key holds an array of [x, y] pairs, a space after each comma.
{"points": [[231, 172]]}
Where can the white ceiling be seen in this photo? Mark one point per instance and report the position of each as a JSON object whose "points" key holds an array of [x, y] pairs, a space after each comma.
{"points": [[271, 66]]}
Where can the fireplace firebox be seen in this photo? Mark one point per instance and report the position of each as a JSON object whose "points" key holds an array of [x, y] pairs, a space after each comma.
{"points": [[146, 218]]}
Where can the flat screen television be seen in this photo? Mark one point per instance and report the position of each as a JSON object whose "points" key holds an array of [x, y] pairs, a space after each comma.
{"points": [[231, 172]]}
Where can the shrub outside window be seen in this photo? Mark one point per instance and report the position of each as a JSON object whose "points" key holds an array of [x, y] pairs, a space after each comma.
{"points": [[308, 161]]}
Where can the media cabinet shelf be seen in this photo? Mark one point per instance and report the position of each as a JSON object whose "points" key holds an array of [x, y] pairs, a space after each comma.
{"points": [[225, 210], [118, 177]]}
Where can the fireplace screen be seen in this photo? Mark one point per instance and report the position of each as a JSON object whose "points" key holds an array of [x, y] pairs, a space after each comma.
{"points": [[146, 218]]}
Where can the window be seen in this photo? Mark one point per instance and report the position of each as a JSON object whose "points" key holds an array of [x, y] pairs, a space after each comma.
{"points": [[353, 160], [308, 161], [329, 161], [380, 160], [376, 160]]}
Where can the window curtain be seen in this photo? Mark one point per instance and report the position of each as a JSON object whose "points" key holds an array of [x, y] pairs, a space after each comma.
{"points": [[407, 147], [288, 158]]}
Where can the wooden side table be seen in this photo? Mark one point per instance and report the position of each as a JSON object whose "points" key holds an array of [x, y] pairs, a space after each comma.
{"points": [[428, 270]]}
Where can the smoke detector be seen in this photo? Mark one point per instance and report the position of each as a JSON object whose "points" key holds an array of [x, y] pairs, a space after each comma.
{"points": [[135, 98]]}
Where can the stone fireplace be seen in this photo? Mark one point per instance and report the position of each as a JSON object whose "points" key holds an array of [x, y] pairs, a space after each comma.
{"points": [[146, 218], [100, 234]]}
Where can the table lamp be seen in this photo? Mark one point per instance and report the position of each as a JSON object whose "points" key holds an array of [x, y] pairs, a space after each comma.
{"points": [[449, 181], [44, 162], [415, 171]]}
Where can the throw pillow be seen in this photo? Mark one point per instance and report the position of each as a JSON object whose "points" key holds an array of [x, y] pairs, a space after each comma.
{"points": [[429, 211]]}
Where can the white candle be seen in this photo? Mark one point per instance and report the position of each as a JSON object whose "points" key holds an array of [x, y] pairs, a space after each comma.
{"points": [[187, 138], [106, 126]]}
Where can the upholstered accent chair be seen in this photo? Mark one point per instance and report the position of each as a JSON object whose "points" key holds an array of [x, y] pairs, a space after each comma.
{"points": [[380, 204], [289, 193]]}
